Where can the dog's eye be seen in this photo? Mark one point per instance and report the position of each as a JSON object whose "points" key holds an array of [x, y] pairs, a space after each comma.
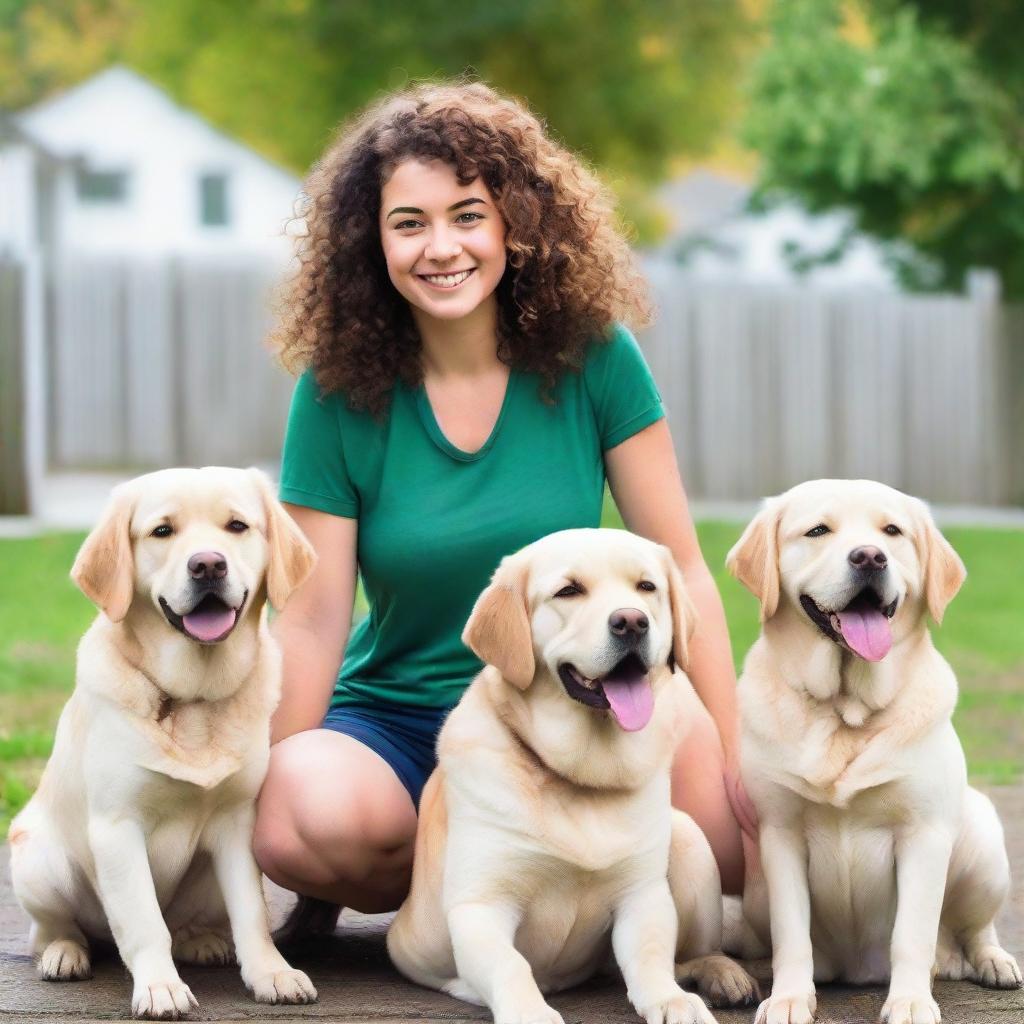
{"points": [[237, 526], [570, 591], [646, 585], [163, 530], [893, 530], [819, 531]]}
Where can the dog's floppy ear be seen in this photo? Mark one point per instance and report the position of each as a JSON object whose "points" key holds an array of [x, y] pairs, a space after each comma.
{"points": [[291, 557], [754, 559], [104, 569], [944, 572], [684, 614], [498, 630]]}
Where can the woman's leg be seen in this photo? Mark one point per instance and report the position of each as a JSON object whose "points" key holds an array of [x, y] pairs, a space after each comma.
{"points": [[698, 788], [334, 822]]}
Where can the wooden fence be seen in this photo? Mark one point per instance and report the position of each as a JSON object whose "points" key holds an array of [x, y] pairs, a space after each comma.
{"points": [[161, 363], [766, 387]]}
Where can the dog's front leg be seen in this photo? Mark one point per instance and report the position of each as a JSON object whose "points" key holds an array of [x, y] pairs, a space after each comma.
{"points": [[784, 860], [922, 864], [644, 942], [264, 970], [482, 937], [128, 895]]}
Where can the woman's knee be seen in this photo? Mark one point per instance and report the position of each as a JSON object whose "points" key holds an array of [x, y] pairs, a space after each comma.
{"points": [[330, 811]]}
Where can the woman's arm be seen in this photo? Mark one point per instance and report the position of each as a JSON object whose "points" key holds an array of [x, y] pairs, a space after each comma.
{"points": [[313, 627], [645, 483]]}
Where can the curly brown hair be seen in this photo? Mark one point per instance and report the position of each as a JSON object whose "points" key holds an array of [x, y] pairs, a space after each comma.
{"points": [[570, 273]]}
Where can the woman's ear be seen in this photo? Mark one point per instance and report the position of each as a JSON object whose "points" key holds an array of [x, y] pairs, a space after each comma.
{"points": [[498, 630], [754, 559], [291, 558], [104, 569]]}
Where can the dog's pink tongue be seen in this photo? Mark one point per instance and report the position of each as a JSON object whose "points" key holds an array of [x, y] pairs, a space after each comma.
{"points": [[209, 623], [631, 700], [867, 633]]}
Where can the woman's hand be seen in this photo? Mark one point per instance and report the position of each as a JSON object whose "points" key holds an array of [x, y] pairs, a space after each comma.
{"points": [[742, 806]]}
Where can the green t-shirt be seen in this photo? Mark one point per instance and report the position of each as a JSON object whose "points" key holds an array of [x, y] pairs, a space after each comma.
{"points": [[434, 521]]}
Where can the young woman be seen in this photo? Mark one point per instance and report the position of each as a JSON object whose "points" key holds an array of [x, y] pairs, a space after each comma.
{"points": [[467, 388]]}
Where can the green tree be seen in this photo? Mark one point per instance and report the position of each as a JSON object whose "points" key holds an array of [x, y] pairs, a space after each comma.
{"points": [[630, 83], [914, 123]]}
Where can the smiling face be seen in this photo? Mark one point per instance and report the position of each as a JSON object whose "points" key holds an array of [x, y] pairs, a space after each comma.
{"points": [[200, 549], [598, 610], [443, 242], [860, 560], [847, 556]]}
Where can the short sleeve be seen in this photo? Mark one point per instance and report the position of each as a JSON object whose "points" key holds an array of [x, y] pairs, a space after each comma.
{"points": [[313, 470], [621, 388]]}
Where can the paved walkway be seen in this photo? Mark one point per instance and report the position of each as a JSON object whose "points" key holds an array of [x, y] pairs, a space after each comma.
{"points": [[357, 983], [73, 501]]}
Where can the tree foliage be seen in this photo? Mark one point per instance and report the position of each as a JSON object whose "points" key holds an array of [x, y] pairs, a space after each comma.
{"points": [[914, 122], [629, 83]]}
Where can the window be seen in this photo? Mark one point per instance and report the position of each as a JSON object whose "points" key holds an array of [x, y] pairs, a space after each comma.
{"points": [[101, 186], [213, 200]]}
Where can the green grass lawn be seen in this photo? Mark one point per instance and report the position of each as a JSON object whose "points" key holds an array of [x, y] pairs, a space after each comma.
{"points": [[42, 616]]}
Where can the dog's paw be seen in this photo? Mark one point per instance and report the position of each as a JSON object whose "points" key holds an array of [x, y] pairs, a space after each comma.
{"points": [[953, 965], [681, 1008], [911, 1009], [209, 949], [288, 986], [721, 981], [995, 968], [65, 960], [539, 1014], [163, 1000], [793, 1009]]}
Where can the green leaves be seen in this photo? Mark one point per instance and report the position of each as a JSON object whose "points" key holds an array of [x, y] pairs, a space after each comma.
{"points": [[911, 127]]}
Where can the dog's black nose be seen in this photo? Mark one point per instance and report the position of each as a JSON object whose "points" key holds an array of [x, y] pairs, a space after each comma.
{"points": [[630, 623], [208, 565], [869, 558]]}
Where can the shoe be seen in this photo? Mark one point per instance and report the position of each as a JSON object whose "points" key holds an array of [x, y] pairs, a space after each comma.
{"points": [[308, 919]]}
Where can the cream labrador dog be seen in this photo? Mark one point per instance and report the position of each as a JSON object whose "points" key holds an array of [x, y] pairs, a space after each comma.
{"points": [[881, 863], [546, 833], [141, 828]]}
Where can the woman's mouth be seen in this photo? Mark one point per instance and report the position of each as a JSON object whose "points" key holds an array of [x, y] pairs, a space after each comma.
{"points": [[446, 282]]}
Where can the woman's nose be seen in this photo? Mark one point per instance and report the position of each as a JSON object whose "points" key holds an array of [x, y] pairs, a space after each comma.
{"points": [[442, 247]]}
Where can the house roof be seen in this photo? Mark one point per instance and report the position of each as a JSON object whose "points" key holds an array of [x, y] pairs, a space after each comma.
{"points": [[37, 121], [12, 132]]}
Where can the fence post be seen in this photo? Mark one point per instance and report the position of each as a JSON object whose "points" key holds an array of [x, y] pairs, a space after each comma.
{"points": [[14, 472]]}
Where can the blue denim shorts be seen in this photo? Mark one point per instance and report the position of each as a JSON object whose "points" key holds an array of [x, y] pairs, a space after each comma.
{"points": [[403, 734]]}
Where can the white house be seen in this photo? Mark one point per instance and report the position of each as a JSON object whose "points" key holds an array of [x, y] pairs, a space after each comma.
{"points": [[716, 237], [136, 173], [28, 173]]}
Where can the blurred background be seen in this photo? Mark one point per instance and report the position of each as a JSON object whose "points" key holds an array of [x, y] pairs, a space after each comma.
{"points": [[827, 195]]}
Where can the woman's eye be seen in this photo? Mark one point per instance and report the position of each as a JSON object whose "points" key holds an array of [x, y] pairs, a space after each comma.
{"points": [[818, 531], [570, 591], [646, 585], [163, 530], [468, 218], [893, 530], [405, 225], [237, 526]]}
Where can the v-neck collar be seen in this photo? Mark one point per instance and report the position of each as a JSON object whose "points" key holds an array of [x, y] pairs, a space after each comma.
{"points": [[433, 428]]}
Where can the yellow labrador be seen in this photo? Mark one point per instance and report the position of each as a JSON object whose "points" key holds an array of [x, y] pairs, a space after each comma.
{"points": [[881, 863], [546, 834], [141, 828]]}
